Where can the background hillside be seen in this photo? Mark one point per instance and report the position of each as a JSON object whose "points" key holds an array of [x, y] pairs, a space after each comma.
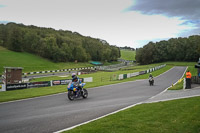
{"points": [[127, 54], [56, 45], [32, 63]]}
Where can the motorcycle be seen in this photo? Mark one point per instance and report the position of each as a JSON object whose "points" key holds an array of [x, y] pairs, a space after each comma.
{"points": [[151, 81], [75, 91]]}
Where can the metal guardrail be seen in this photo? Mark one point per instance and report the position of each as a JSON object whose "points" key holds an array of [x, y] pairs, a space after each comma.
{"points": [[195, 80], [112, 66]]}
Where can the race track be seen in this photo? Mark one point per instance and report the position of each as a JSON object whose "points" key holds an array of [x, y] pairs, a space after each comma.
{"points": [[53, 113]]}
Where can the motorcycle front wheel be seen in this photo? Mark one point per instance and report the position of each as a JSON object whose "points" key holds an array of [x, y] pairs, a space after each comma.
{"points": [[85, 93], [71, 95]]}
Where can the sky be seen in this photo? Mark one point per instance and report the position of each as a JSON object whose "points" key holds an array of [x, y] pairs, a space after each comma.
{"points": [[122, 23]]}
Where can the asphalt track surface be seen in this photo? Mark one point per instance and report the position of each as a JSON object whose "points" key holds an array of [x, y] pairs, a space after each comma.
{"points": [[53, 113]]}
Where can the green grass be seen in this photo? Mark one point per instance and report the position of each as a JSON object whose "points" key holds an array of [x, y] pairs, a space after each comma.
{"points": [[106, 78], [191, 67], [176, 116], [178, 86], [32, 63], [127, 54], [99, 79], [32, 92]]}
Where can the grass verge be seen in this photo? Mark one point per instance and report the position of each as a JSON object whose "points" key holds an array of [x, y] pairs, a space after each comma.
{"points": [[176, 116], [178, 86], [32, 63], [97, 81], [192, 69]]}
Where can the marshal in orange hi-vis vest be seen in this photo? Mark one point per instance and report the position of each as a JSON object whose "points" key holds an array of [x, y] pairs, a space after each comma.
{"points": [[188, 75]]}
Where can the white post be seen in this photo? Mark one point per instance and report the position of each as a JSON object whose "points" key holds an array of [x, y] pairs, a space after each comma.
{"points": [[184, 83], [51, 83], [3, 87]]}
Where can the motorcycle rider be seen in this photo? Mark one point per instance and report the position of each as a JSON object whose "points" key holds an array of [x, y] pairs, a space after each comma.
{"points": [[77, 81], [150, 75], [151, 78]]}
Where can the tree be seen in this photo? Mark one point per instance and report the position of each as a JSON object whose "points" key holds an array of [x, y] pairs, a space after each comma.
{"points": [[175, 49], [55, 45], [15, 37]]}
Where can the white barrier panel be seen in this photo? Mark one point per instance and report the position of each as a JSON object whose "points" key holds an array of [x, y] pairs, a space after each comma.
{"points": [[134, 74], [128, 75], [3, 87], [147, 71], [25, 80], [120, 76], [79, 73], [90, 79]]}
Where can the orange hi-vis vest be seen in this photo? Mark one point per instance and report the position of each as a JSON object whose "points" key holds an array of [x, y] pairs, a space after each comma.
{"points": [[188, 75]]}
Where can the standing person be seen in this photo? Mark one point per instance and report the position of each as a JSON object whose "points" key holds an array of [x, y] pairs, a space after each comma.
{"points": [[188, 79]]}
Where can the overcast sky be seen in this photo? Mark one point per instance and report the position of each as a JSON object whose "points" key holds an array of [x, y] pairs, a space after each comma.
{"points": [[120, 22]]}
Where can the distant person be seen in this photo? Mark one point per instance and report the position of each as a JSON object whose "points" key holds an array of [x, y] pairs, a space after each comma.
{"points": [[151, 80], [188, 79], [150, 75]]}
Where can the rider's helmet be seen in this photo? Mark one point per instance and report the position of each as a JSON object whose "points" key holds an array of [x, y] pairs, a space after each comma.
{"points": [[74, 75], [150, 75]]}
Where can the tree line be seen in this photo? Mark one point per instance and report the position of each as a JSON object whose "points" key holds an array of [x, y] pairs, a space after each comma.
{"points": [[175, 49], [56, 45], [127, 48]]}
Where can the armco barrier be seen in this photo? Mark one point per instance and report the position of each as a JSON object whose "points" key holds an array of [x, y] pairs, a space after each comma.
{"points": [[16, 86], [120, 76], [38, 84], [62, 70], [129, 75], [195, 80], [142, 72], [61, 82], [134, 74], [124, 76], [10, 87], [27, 85]]}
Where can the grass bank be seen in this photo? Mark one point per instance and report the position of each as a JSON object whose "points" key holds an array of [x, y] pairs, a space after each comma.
{"points": [[127, 54], [176, 116], [191, 68], [105, 78], [32, 63], [99, 79]]}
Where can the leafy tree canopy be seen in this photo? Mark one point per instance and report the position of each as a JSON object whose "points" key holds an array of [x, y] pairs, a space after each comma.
{"points": [[56, 45]]}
